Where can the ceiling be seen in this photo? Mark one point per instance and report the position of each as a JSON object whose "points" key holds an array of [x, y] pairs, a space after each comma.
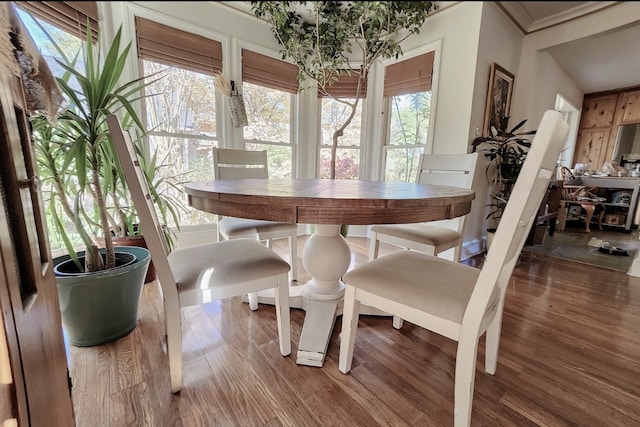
{"points": [[601, 62]]}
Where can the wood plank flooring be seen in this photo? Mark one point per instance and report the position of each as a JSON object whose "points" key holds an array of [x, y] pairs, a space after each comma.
{"points": [[569, 356]]}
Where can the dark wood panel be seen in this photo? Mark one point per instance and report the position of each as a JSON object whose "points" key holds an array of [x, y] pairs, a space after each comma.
{"points": [[256, 211]]}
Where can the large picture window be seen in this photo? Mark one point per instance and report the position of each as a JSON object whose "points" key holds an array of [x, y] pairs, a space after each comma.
{"points": [[57, 36], [335, 109], [407, 97], [181, 109], [270, 88], [333, 115]]}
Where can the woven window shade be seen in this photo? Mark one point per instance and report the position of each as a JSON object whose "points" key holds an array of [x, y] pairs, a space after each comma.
{"points": [[345, 87], [409, 76], [177, 48], [70, 16], [269, 72]]}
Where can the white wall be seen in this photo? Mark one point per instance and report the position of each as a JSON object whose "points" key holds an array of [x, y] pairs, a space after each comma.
{"points": [[457, 27], [499, 41]]}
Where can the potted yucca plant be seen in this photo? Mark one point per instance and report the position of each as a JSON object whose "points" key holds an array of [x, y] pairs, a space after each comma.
{"points": [[98, 288]]}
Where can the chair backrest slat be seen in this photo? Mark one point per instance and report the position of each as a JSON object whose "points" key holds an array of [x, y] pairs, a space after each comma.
{"points": [[519, 214], [237, 164], [143, 202], [457, 170]]}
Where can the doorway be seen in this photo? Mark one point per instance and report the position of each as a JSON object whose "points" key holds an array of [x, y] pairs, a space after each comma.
{"points": [[574, 243], [572, 115]]}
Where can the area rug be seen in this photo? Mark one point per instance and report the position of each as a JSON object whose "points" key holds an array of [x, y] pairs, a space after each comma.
{"points": [[573, 245]]}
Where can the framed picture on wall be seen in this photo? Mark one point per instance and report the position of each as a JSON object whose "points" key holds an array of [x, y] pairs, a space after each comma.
{"points": [[498, 97]]}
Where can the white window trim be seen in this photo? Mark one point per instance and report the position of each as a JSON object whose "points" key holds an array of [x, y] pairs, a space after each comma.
{"points": [[377, 159], [238, 45]]}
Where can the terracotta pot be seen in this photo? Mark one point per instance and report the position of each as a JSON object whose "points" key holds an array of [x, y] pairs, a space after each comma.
{"points": [[133, 241]]}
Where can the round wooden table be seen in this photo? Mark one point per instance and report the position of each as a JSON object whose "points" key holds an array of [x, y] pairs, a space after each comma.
{"points": [[327, 204]]}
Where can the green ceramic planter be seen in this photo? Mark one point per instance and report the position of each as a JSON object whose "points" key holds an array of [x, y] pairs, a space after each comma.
{"points": [[102, 306]]}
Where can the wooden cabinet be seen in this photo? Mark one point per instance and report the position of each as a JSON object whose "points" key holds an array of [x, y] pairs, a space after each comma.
{"points": [[592, 147], [602, 114], [598, 111], [596, 136], [630, 108]]}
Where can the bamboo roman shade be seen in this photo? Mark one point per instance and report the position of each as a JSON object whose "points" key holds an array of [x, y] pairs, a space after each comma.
{"points": [[269, 72], [346, 86], [409, 76], [177, 48], [70, 16]]}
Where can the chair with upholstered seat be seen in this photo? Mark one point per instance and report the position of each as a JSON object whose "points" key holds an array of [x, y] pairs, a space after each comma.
{"points": [[432, 238], [238, 164], [435, 237], [202, 273], [450, 298]]}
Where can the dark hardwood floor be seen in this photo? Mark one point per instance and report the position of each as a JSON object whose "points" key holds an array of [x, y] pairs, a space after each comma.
{"points": [[569, 356]]}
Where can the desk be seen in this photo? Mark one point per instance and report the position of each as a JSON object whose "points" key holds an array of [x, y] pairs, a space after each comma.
{"points": [[326, 255], [611, 207]]}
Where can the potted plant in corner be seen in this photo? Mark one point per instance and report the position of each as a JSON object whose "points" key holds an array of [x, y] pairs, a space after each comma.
{"points": [[98, 288], [506, 151]]}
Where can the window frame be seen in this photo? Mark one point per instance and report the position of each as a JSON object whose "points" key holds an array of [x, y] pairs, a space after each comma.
{"points": [[134, 11], [293, 110], [362, 131], [386, 106], [360, 147]]}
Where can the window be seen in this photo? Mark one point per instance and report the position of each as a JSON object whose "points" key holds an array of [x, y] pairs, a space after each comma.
{"points": [[334, 112], [407, 97], [69, 16], [54, 35], [180, 113], [333, 115], [57, 36], [269, 88]]}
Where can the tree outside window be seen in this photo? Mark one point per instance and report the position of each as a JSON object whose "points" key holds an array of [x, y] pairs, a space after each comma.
{"points": [[408, 130], [333, 115], [269, 114], [181, 119]]}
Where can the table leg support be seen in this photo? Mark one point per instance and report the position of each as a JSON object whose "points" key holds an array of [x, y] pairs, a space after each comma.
{"points": [[326, 256], [319, 319]]}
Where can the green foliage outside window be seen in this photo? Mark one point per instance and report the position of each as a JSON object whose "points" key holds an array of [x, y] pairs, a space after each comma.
{"points": [[320, 38]]}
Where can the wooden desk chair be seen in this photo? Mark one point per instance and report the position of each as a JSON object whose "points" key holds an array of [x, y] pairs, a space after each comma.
{"points": [[453, 299], [202, 273], [433, 237], [238, 164]]}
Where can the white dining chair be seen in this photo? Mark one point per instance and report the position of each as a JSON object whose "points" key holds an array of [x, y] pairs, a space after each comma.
{"points": [[238, 164], [450, 298], [436, 237], [202, 273]]}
